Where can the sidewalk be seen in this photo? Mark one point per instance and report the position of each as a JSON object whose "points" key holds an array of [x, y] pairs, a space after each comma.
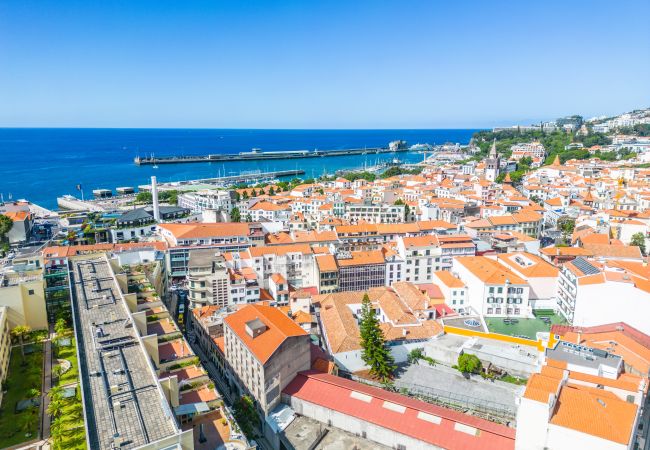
{"points": [[47, 385]]}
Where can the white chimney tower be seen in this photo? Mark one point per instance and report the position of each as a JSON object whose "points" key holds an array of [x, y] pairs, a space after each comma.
{"points": [[154, 197]]}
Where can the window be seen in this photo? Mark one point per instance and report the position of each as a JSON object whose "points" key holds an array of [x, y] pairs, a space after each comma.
{"points": [[499, 290], [491, 290], [31, 292]]}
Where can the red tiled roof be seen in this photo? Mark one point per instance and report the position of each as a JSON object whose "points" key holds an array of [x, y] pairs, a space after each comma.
{"points": [[381, 408]]}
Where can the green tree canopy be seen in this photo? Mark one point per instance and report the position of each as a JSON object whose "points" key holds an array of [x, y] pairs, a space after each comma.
{"points": [[235, 215], [469, 363], [144, 197], [638, 239], [375, 353]]}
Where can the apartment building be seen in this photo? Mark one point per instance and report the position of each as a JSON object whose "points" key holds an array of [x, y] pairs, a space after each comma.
{"points": [[5, 346], [374, 213], [327, 274], [454, 291], [209, 199], [422, 256], [294, 262], [493, 289], [593, 292], [264, 350], [23, 293], [359, 271], [566, 406], [183, 238], [208, 279], [542, 277]]}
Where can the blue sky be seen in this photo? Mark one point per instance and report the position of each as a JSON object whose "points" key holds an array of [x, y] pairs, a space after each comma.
{"points": [[325, 64]]}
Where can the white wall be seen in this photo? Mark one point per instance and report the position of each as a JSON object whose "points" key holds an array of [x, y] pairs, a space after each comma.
{"points": [[609, 302], [357, 426]]}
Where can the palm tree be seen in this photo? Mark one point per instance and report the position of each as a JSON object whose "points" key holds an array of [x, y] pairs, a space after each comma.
{"points": [[55, 407], [20, 332], [56, 393]]}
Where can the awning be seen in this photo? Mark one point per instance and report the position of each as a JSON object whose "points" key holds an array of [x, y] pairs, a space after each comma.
{"points": [[191, 408]]}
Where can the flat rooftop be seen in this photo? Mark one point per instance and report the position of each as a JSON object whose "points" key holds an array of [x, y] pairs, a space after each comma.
{"points": [[302, 433], [582, 356], [124, 405]]}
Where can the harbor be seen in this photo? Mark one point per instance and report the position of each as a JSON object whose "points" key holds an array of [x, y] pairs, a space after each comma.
{"points": [[104, 200], [258, 155]]}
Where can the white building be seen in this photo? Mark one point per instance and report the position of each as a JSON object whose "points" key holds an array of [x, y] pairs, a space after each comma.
{"points": [[493, 289], [592, 293]]}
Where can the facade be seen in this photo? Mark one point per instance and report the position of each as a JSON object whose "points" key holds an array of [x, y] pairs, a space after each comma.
{"points": [[493, 289], [208, 279], [264, 350], [23, 293], [359, 271], [587, 287], [5, 347]]}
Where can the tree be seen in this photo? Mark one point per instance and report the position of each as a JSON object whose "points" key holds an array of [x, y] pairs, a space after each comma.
{"points": [[469, 363], [5, 227], [237, 196], [271, 191], [245, 195], [235, 215], [20, 332], [638, 240], [566, 225], [253, 193], [375, 353], [61, 326], [144, 197], [249, 218], [246, 416]]}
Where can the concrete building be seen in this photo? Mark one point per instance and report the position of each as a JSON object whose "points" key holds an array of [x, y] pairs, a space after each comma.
{"points": [[208, 278], [542, 277], [359, 271], [587, 289], [5, 346], [493, 289], [23, 293], [264, 350], [23, 222]]}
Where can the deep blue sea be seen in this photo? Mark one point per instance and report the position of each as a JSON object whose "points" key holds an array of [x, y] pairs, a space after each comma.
{"points": [[40, 164]]}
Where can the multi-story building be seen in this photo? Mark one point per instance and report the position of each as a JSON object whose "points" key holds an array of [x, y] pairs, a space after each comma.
{"points": [[183, 238], [23, 293], [295, 262], [454, 290], [5, 346], [593, 292], [210, 199], [542, 277], [374, 213], [493, 289], [264, 350], [208, 278], [327, 274], [359, 271]]}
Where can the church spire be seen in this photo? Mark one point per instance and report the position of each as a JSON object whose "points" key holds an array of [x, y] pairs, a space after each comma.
{"points": [[493, 150]]}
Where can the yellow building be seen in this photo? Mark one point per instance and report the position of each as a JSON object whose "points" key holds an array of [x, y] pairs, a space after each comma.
{"points": [[5, 347], [23, 293]]}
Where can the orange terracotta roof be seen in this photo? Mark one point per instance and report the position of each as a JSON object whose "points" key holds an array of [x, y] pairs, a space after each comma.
{"points": [[597, 414], [279, 328], [489, 271]]}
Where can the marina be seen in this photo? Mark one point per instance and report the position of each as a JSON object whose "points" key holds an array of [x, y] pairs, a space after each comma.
{"points": [[104, 200]]}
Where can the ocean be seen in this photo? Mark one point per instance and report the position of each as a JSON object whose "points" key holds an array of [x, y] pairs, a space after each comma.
{"points": [[41, 164]]}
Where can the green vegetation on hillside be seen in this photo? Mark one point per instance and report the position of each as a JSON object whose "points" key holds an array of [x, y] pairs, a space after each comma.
{"points": [[554, 142]]}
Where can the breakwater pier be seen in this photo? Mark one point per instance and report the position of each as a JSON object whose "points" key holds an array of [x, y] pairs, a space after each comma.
{"points": [[258, 155]]}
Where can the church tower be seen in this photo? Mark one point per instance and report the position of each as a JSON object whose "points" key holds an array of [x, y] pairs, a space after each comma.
{"points": [[492, 163]]}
